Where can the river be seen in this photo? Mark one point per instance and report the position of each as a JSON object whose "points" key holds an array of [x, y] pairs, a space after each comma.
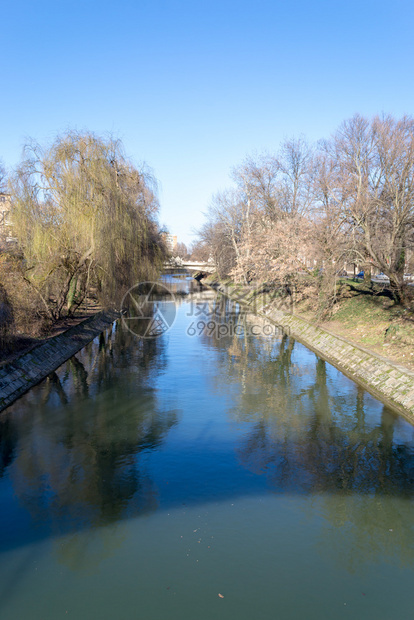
{"points": [[219, 470]]}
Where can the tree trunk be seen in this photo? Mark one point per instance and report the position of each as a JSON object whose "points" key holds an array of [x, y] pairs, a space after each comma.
{"points": [[367, 275], [398, 289]]}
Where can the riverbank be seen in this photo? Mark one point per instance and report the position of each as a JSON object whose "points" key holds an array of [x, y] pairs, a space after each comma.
{"points": [[368, 316], [384, 378], [22, 343], [32, 366]]}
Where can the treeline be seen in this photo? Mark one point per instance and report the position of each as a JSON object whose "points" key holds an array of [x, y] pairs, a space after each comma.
{"points": [[83, 222], [346, 200]]}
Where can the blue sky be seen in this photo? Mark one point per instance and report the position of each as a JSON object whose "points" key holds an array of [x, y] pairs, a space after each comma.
{"points": [[193, 87]]}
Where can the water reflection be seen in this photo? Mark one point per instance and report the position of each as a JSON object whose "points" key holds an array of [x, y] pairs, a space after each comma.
{"points": [[362, 530], [307, 433], [72, 448], [310, 431], [83, 450]]}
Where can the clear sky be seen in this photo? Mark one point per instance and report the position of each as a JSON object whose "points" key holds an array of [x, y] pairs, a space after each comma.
{"points": [[192, 87]]}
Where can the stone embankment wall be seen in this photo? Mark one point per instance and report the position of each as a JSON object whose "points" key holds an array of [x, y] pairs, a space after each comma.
{"points": [[390, 382], [23, 373]]}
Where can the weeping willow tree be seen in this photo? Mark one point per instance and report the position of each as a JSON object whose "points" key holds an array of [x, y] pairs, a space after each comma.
{"points": [[84, 216]]}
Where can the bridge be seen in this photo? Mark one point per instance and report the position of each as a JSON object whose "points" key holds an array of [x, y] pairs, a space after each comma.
{"points": [[179, 263]]}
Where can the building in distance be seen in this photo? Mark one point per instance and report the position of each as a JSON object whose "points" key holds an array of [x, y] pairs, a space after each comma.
{"points": [[170, 241], [5, 222]]}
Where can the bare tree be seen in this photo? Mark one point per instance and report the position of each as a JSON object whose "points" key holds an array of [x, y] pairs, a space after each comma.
{"points": [[278, 192], [375, 187], [279, 184], [351, 199], [199, 251], [257, 178], [215, 242], [296, 165], [228, 214], [3, 177], [181, 250]]}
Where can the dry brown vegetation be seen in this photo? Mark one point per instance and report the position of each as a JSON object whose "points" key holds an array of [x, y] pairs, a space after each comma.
{"points": [[347, 200], [85, 229]]}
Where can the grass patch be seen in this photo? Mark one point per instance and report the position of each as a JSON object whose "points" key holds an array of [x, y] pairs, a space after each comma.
{"points": [[369, 317], [366, 315]]}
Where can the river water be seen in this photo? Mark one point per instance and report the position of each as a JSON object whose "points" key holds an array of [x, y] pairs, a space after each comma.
{"points": [[211, 472]]}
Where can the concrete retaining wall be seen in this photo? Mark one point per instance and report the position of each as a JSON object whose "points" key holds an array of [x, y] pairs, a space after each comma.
{"points": [[389, 381], [19, 376]]}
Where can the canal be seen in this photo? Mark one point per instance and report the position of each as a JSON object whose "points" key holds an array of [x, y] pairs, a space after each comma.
{"points": [[219, 470]]}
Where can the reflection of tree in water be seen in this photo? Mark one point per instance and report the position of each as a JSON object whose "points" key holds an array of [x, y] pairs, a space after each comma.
{"points": [[307, 434], [8, 441], [77, 438], [315, 438], [359, 529], [84, 550]]}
